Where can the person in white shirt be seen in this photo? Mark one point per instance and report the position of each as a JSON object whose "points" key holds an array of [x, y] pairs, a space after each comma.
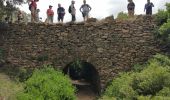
{"points": [[85, 9], [72, 11]]}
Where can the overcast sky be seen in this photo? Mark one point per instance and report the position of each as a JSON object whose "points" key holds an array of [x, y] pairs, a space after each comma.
{"points": [[100, 8]]}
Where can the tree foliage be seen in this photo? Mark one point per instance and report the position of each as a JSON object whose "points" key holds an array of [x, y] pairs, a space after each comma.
{"points": [[7, 7]]}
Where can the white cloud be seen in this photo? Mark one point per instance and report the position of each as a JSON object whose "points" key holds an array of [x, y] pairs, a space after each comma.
{"points": [[100, 8]]}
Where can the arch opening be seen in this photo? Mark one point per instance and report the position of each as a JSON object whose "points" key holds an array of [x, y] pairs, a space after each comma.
{"points": [[84, 76]]}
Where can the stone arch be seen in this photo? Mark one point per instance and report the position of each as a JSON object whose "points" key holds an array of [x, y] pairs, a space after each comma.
{"points": [[88, 75]]}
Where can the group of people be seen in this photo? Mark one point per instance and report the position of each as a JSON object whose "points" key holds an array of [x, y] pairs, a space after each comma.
{"points": [[84, 9], [147, 8]]}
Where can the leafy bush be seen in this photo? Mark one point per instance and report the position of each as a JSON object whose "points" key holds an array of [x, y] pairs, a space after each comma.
{"points": [[48, 84], [107, 98], [151, 83], [161, 17], [150, 80], [153, 98], [17, 73], [168, 7], [161, 60], [164, 92], [121, 87], [138, 67], [164, 32], [122, 15]]}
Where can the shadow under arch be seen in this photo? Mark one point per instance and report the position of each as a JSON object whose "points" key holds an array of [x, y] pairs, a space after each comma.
{"points": [[84, 73]]}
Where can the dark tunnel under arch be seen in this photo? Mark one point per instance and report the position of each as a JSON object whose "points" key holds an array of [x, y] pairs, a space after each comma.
{"points": [[86, 72]]}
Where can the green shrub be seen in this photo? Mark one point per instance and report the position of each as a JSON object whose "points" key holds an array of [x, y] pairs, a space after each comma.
{"points": [[144, 98], [150, 80], [17, 73], [168, 7], [164, 92], [164, 32], [150, 83], [121, 87], [138, 67], [161, 17], [107, 98], [161, 60], [122, 15], [153, 98], [48, 84]]}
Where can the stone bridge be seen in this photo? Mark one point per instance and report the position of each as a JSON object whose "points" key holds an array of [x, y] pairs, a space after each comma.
{"points": [[109, 45]]}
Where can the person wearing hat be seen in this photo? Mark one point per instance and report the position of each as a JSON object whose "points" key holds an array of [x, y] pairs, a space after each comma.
{"points": [[50, 14], [85, 9], [72, 11]]}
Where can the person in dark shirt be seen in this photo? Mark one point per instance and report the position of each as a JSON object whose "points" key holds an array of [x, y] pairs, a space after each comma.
{"points": [[61, 13], [131, 8], [148, 7]]}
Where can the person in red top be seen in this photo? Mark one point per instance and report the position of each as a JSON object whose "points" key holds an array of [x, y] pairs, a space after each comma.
{"points": [[33, 10], [50, 14]]}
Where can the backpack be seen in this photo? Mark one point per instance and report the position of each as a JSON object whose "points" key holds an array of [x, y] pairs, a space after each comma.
{"points": [[69, 9], [30, 5]]}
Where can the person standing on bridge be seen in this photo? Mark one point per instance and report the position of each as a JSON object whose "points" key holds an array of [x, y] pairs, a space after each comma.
{"points": [[50, 14], [61, 13], [131, 8], [33, 8], [85, 9], [148, 7], [72, 11]]}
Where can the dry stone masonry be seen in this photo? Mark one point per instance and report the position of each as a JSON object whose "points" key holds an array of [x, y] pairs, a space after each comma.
{"points": [[109, 45]]}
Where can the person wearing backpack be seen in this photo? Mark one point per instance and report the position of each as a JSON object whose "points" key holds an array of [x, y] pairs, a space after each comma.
{"points": [[61, 13], [50, 14], [148, 7], [131, 8], [85, 9], [33, 7], [72, 11]]}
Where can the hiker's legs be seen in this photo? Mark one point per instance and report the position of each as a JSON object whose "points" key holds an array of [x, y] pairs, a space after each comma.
{"points": [[51, 19], [32, 14], [73, 17], [48, 20], [60, 17], [148, 12], [131, 13], [87, 16]]}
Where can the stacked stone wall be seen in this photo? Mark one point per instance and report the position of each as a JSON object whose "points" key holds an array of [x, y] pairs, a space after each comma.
{"points": [[109, 45]]}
